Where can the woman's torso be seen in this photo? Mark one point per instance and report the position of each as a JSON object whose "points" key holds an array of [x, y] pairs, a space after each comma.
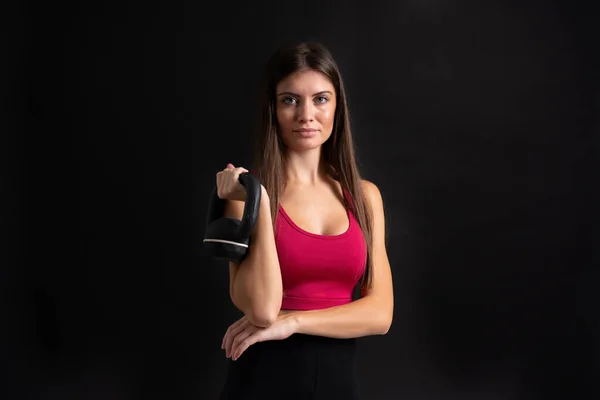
{"points": [[321, 248]]}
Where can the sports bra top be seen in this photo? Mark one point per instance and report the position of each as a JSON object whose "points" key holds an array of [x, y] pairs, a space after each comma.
{"points": [[318, 271]]}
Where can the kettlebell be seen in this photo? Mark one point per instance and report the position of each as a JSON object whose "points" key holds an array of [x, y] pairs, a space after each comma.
{"points": [[228, 238]]}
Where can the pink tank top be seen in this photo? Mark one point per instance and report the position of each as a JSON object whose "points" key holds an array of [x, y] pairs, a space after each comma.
{"points": [[318, 271]]}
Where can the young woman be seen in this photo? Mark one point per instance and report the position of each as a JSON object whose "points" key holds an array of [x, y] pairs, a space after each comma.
{"points": [[319, 233]]}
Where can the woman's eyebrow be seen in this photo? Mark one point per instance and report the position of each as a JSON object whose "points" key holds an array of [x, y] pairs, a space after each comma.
{"points": [[297, 95]]}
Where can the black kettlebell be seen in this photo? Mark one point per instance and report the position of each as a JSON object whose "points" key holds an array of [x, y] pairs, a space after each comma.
{"points": [[229, 238]]}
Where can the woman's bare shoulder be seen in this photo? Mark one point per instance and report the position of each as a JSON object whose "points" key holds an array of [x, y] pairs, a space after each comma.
{"points": [[371, 192], [368, 186]]}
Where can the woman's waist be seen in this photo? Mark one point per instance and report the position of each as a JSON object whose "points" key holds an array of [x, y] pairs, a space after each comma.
{"points": [[293, 301], [301, 346]]}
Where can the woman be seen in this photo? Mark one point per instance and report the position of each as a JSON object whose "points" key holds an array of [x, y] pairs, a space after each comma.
{"points": [[320, 232]]}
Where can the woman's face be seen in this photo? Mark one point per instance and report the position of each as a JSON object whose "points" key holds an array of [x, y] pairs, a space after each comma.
{"points": [[305, 105]]}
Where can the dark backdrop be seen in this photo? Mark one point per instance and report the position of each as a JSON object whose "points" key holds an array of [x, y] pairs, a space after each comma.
{"points": [[477, 120]]}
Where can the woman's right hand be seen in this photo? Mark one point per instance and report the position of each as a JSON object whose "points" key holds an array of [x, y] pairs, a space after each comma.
{"points": [[228, 184]]}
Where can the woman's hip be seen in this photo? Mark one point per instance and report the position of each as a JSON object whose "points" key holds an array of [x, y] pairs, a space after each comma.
{"points": [[299, 367]]}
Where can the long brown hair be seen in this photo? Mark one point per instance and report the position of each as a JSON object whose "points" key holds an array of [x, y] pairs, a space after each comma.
{"points": [[337, 151]]}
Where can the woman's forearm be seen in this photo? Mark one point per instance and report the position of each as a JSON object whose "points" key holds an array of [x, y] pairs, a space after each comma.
{"points": [[363, 317], [257, 288]]}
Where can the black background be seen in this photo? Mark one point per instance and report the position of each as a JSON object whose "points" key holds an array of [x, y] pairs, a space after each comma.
{"points": [[477, 120]]}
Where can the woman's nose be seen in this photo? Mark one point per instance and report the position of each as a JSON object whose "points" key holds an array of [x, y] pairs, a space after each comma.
{"points": [[305, 112]]}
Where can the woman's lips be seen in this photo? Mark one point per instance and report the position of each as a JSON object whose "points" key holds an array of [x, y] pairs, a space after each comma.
{"points": [[306, 132]]}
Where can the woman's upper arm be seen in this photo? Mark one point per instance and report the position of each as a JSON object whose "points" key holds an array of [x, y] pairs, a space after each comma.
{"points": [[382, 287]]}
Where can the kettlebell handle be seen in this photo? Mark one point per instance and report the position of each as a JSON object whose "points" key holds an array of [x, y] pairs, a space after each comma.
{"points": [[251, 206]]}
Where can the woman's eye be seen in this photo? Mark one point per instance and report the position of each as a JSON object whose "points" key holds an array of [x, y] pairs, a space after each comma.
{"points": [[289, 100], [321, 99]]}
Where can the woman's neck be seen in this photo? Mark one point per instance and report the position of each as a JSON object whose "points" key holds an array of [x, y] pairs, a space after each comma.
{"points": [[305, 169]]}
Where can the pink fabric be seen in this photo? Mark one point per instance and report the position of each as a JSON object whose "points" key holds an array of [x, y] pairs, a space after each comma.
{"points": [[318, 271]]}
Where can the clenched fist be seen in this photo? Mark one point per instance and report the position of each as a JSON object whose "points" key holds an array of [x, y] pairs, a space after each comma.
{"points": [[228, 184]]}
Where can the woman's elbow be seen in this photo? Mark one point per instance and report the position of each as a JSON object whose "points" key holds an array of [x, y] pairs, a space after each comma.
{"points": [[263, 318], [266, 314], [385, 327], [261, 321], [385, 322]]}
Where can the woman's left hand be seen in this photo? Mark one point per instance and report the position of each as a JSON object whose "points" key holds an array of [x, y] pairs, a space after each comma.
{"points": [[242, 334]]}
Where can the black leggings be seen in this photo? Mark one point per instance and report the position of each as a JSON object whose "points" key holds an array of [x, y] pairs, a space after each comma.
{"points": [[301, 367]]}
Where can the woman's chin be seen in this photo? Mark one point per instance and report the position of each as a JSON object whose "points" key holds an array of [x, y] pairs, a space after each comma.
{"points": [[306, 145]]}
